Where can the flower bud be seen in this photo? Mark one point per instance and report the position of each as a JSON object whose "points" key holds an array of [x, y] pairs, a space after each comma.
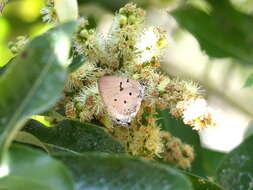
{"points": [[84, 33], [132, 19], [122, 20]]}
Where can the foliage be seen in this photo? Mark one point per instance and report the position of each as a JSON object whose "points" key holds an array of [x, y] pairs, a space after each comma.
{"points": [[235, 171], [83, 148], [221, 30]]}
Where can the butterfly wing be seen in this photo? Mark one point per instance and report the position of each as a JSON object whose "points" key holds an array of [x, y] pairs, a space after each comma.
{"points": [[121, 96]]}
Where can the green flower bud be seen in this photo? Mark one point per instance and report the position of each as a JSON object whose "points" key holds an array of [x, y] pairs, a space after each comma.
{"points": [[123, 11], [122, 20], [132, 19], [14, 49], [91, 31], [84, 33], [19, 38]]}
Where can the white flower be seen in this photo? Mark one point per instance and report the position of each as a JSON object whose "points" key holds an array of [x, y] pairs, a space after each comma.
{"points": [[146, 45], [194, 109], [148, 39]]}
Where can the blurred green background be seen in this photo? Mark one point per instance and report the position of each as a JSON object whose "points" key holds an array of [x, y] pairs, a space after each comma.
{"points": [[20, 17], [222, 78]]}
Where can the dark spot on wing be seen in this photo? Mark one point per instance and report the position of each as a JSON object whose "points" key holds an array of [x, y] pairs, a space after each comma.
{"points": [[115, 100], [120, 86], [127, 80], [130, 93], [117, 120], [125, 101]]}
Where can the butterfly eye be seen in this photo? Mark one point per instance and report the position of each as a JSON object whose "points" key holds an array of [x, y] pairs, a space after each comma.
{"points": [[117, 120]]}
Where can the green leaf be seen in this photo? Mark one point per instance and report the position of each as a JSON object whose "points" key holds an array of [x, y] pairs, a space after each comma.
{"points": [[28, 138], [76, 63], [74, 136], [34, 81], [33, 170], [211, 160], [236, 170], [249, 81], [120, 172], [6, 66], [186, 134], [200, 183], [224, 32], [249, 130]]}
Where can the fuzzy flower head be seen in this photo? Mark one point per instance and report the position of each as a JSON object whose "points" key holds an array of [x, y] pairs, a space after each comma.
{"points": [[177, 152], [88, 103], [48, 13], [150, 43], [133, 50], [195, 112]]}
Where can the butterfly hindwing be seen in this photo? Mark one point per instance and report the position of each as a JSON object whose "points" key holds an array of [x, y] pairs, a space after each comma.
{"points": [[121, 96]]}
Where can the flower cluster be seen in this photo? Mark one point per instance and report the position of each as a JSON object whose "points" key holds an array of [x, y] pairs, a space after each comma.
{"points": [[194, 112], [134, 50], [48, 12], [175, 151]]}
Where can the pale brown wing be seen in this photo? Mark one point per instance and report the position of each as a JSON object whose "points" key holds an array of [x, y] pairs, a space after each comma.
{"points": [[121, 96]]}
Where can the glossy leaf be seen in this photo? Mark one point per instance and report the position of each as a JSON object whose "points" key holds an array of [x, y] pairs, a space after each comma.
{"points": [[6, 66], [223, 32], [34, 170], [28, 138], [236, 170], [118, 172], [200, 183], [76, 63], [74, 136], [211, 159], [35, 80]]}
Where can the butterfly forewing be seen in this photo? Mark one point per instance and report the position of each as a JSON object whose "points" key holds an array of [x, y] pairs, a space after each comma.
{"points": [[122, 97]]}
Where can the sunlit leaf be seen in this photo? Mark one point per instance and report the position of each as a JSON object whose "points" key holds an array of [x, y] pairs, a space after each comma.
{"points": [[30, 169], [34, 80]]}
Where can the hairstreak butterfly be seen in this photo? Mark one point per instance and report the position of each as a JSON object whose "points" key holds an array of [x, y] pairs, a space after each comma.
{"points": [[122, 97]]}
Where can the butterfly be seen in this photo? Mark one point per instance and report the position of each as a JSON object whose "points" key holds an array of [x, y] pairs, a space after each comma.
{"points": [[122, 97]]}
